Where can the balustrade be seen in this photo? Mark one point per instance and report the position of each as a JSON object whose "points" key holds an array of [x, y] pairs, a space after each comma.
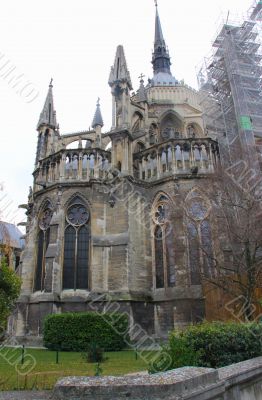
{"points": [[70, 165], [178, 156]]}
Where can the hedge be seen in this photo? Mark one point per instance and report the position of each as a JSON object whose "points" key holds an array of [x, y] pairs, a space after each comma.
{"points": [[75, 331], [214, 344]]}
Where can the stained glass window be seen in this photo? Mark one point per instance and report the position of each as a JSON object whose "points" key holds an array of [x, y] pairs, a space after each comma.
{"points": [[159, 257], [43, 238], [170, 256], [194, 253], [76, 246], [207, 249]]}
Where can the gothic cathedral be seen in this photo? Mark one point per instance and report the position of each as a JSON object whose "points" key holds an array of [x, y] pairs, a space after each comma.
{"points": [[105, 217]]}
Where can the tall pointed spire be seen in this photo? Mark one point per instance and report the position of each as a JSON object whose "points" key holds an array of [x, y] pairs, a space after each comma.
{"points": [[119, 71], [161, 59], [97, 120], [48, 114], [159, 38]]}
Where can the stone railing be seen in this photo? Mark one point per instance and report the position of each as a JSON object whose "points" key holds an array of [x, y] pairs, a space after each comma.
{"points": [[73, 165], [177, 156]]}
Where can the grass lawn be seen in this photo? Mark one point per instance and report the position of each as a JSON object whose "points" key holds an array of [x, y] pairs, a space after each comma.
{"points": [[46, 371]]}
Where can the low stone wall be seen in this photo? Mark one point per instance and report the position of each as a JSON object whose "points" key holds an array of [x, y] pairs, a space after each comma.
{"points": [[242, 381]]}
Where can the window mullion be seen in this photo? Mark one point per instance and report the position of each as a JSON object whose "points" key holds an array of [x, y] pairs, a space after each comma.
{"points": [[75, 260]]}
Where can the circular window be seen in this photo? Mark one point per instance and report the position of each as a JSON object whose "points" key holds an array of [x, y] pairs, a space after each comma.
{"points": [[197, 208], [77, 215], [45, 219]]}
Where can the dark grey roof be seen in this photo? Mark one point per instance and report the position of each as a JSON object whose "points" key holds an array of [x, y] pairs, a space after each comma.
{"points": [[119, 71], [159, 38], [97, 120], [48, 114], [11, 235]]}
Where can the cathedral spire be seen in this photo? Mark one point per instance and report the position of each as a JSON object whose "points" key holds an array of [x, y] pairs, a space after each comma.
{"points": [[161, 59], [119, 71], [97, 120], [48, 114], [159, 38]]}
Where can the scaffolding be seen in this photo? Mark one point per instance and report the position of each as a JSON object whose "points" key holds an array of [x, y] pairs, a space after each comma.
{"points": [[231, 91]]}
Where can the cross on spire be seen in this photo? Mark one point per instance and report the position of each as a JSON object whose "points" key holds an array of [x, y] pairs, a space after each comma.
{"points": [[156, 3], [141, 76]]}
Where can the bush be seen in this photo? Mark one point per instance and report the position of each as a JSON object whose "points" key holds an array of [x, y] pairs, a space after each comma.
{"points": [[223, 343], [214, 344], [76, 331], [10, 285], [181, 352]]}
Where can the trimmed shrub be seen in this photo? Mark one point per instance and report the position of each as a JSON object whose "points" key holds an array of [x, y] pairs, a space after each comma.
{"points": [[223, 343], [76, 331], [214, 344]]}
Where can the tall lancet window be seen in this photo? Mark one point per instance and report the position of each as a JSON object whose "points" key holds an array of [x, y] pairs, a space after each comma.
{"points": [[42, 244], [76, 246], [163, 244], [199, 237]]}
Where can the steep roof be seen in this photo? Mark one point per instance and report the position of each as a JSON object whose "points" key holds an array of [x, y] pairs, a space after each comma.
{"points": [[97, 120], [11, 235]]}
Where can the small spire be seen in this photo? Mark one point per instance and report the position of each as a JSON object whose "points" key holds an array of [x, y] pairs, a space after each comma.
{"points": [[142, 96], [48, 114], [97, 120], [119, 71]]}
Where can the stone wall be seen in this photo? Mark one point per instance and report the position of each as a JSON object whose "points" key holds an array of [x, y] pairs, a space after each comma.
{"points": [[242, 381]]}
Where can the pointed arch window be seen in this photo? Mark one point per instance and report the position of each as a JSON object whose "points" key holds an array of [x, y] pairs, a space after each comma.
{"points": [[199, 237], [164, 246], [43, 239], [76, 246]]}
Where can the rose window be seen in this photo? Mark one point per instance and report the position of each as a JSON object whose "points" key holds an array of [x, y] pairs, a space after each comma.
{"points": [[77, 215]]}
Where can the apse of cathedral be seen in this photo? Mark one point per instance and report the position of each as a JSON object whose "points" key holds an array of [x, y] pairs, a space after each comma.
{"points": [[112, 215]]}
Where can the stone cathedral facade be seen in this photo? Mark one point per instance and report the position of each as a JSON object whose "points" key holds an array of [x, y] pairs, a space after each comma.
{"points": [[105, 216]]}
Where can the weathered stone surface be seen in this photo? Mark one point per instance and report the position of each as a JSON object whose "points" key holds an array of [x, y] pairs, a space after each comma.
{"points": [[137, 387], [242, 381]]}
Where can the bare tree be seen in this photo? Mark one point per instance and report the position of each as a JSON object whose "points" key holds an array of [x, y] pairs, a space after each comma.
{"points": [[235, 266]]}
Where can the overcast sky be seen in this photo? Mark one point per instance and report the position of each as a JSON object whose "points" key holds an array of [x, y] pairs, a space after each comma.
{"points": [[74, 42]]}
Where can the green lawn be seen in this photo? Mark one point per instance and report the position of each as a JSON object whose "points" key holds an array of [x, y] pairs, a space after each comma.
{"points": [[47, 371]]}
